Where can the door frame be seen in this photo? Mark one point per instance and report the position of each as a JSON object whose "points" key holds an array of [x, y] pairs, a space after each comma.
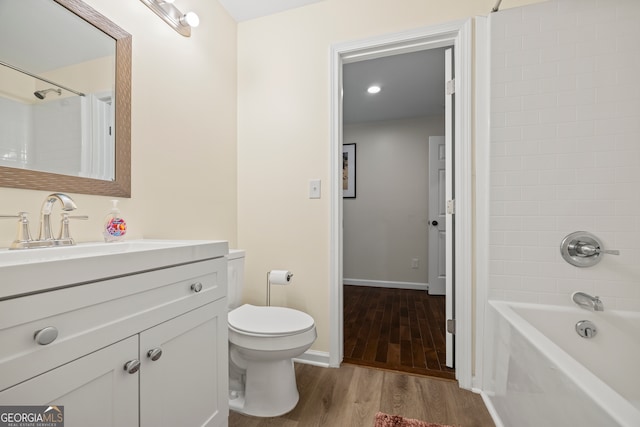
{"points": [[459, 35]]}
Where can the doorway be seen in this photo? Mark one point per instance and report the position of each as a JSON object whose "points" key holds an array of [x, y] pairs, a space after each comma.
{"points": [[458, 35], [394, 308]]}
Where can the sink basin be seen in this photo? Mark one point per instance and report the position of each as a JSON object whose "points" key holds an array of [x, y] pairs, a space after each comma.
{"points": [[35, 270]]}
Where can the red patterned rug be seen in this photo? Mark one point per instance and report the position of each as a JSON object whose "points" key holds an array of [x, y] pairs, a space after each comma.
{"points": [[386, 420]]}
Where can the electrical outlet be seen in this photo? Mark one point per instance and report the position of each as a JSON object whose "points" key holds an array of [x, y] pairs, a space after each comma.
{"points": [[415, 263]]}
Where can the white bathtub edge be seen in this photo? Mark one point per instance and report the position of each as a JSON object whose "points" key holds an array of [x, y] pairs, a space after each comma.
{"points": [[607, 398], [492, 410]]}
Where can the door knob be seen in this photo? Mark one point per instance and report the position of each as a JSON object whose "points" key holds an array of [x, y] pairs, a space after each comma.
{"points": [[132, 366], [434, 223], [154, 354]]}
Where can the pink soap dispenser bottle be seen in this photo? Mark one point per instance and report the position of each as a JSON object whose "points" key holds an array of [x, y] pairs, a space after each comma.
{"points": [[115, 227]]}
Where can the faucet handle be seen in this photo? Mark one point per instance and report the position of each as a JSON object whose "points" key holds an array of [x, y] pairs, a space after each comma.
{"points": [[65, 238], [23, 229], [20, 215], [587, 250], [583, 249]]}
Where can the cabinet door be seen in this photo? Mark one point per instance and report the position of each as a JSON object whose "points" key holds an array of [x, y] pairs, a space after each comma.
{"points": [[187, 385], [95, 390]]}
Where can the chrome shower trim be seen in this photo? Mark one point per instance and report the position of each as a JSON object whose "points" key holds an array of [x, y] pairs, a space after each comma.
{"points": [[20, 70], [42, 94]]}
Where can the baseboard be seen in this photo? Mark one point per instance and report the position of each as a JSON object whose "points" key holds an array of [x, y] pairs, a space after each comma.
{"points": [[387, 284], [315, 358]]}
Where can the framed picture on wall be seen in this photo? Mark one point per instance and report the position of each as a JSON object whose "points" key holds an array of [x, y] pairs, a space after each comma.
{"points": [[349, 171]]}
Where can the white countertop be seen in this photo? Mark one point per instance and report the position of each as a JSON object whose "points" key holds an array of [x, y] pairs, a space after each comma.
{"points": [[35, 270]]}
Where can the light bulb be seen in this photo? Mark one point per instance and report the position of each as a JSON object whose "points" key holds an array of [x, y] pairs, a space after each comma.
{"points": [[373, 89], [190, 19]]}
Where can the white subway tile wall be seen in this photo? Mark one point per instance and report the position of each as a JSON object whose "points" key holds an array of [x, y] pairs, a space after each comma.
{"points": [[565, 149]]}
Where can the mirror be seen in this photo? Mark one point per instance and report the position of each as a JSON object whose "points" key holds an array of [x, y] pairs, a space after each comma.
{"points": [[89, 83]]}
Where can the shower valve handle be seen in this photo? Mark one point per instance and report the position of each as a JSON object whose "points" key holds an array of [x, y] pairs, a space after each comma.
{"points": [[585, 249]]}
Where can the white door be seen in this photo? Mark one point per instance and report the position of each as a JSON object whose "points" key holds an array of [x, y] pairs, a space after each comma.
{"points": [[437, 216]]}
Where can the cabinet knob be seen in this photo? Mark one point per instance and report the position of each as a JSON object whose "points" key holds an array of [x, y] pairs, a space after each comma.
{"points": [[196, 287], [46, 335], [154, 354], [132, 366]]}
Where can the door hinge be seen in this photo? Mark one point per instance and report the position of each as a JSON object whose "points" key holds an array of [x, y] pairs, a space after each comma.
{"points": [[451, 87], [451, 207], [451, 326]]}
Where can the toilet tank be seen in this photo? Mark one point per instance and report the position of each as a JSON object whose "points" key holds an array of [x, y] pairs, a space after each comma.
{"points": [[235, 277]]}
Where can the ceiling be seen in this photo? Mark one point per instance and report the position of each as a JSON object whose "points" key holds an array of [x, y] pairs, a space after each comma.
{"points": [[412, 85]]}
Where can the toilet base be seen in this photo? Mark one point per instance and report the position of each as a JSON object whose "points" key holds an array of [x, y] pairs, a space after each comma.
{"points": [[270, 389]]}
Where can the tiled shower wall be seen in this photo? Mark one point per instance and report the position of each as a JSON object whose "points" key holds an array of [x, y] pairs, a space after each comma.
{"points": [[565, 149], [45, 136]]}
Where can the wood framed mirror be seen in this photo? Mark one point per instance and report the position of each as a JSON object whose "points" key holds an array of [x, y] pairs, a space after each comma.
{"points": [[119, 185]]}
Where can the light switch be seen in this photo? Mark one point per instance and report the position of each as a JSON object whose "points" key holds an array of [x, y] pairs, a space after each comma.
{"points": [[314, 189]]}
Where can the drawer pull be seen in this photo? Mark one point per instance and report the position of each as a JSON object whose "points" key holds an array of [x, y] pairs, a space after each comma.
{"points": [[46, 335], [196, 287], [132, 366], [154, 354]]}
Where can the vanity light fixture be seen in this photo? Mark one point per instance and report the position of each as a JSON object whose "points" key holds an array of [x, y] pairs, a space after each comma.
{"points": [[181, 22], [373, 89]]}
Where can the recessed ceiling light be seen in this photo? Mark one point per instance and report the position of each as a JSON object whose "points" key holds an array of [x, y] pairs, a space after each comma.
{"points": [[373, 89]]}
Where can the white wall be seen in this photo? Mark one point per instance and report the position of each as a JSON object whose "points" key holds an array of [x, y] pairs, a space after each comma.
{"points": [[565, 149], [183, 132], [283, 135], [386, 225]]}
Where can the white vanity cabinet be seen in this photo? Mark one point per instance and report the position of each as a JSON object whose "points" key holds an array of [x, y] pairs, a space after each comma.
{"points": [[183, 387], [94, 389], [143, 349]]}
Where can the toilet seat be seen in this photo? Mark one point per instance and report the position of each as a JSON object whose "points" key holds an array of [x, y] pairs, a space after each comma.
{"points": [[269, 321]]}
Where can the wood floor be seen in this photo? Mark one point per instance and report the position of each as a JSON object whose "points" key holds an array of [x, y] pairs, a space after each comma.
{"points": [[351, 395], [398, 329]]}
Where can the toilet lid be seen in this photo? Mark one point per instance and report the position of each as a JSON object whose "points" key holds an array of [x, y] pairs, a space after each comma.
{"points": [[269, 320]]}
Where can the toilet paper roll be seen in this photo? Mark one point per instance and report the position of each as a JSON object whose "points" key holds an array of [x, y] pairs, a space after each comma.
{"points": [[280, 277]]}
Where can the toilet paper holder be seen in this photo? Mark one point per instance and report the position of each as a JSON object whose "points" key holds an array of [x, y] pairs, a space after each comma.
{"points": [[282, 278]]}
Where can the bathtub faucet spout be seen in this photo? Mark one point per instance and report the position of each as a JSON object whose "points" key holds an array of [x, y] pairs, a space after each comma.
{"points": [[587, 301]]}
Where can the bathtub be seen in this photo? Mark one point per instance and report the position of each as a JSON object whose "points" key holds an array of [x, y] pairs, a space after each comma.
{"points": [[540, 372]]}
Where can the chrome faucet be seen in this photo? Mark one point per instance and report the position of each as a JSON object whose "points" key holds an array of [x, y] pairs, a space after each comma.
{"points": [[587, 301], [45, 237], [45, 214]]}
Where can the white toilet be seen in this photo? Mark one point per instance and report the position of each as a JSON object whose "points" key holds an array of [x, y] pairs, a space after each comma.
{"points": [[262, 343]]}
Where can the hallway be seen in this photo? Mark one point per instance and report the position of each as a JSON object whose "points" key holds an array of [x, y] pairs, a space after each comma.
{"points": [[396, 329]]}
